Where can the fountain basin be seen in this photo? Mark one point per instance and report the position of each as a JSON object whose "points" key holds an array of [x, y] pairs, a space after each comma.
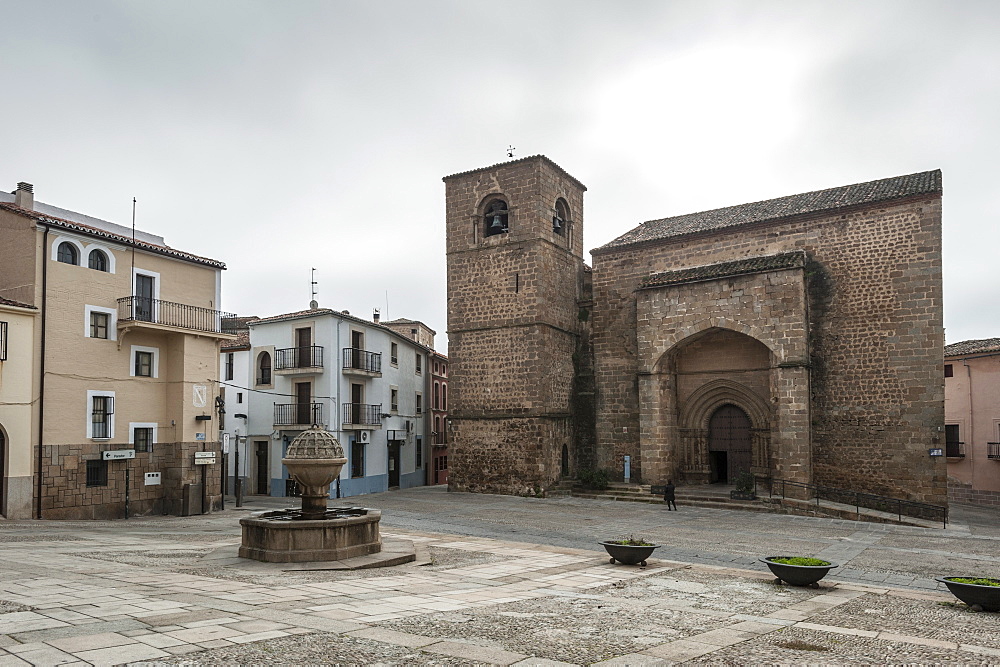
{"points": [[281, 537]]}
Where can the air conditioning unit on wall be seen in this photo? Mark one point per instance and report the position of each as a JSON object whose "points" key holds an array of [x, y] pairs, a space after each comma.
{"points": [[365, 436]]}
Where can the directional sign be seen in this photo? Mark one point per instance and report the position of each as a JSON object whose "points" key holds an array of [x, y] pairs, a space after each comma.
{"points": [[204, 462], [118, 455]]}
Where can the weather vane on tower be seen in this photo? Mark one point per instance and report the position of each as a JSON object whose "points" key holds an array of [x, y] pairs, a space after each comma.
{"points": [[510, 151]]}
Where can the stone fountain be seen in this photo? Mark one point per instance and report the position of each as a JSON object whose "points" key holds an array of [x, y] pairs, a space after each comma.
{"points": [[313, 533]]}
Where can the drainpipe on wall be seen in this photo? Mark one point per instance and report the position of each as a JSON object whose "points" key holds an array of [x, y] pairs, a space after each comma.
{"points": [[41, 371]]}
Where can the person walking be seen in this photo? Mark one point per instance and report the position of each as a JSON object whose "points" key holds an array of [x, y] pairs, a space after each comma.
{"points": [[668, 495]]}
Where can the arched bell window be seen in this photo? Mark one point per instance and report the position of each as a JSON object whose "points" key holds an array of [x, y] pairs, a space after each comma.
{"points": [[561, 217], [67, 253], [264, 368], [495, 218], [97, 260]]}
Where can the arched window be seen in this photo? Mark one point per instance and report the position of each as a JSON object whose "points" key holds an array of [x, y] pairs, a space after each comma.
{"points": [[437, 430], [495, 218], [67, 254], [98, 260], [264, 368], [437, 401], [561, 217], [444, 397]]}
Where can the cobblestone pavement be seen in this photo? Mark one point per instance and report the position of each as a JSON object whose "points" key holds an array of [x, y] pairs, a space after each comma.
{"points": [[498, 580]]}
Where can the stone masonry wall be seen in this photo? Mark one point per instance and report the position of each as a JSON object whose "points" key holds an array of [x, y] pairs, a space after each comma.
{"points": [[876, 338]]}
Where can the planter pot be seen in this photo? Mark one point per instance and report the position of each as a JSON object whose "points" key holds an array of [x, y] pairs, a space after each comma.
{"points": [[629, 555], [797, 575], [986, 598], [742, 495]]}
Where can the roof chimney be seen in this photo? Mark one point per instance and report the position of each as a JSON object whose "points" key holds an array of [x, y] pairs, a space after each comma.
{"points": [[24, 196], [375, 316]]}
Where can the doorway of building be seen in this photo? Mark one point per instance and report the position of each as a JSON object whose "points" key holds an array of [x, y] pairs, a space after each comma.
{"points": [[729, 445], [303, 348], [303, 403], [144, 291], [261, 473], [394, 464]]}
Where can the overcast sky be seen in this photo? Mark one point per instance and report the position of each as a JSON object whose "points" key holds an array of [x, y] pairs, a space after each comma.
{"points": [[281, 136]]}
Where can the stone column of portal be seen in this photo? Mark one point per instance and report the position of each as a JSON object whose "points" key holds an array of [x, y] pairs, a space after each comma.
{"points": [[792, 443]]}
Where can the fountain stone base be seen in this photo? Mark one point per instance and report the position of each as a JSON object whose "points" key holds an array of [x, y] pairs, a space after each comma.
{"points": [[281, 537]]}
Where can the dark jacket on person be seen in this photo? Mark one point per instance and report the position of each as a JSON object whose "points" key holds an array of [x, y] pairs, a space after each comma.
{"points": [[668, 492]]}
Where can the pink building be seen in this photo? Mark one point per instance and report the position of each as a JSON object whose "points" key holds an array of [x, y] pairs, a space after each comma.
{"points": [[972, 421]]}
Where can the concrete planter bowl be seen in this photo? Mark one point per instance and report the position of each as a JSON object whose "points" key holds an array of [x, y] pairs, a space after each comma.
{"points": [[629, 554], [797, 575], [978, 597]]}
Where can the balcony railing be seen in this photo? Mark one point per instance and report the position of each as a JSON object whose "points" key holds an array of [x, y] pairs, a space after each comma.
{"points": [[155, 311], [298, 357], [362, 413], [362, 360], [291, 414], [954, 450], [993, 450]]}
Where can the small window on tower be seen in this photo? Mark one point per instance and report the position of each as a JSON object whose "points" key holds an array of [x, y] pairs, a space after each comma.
{"points": [[495, 218], [561, 217]]}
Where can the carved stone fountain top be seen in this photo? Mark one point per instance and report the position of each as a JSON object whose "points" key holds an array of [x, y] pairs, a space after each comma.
{"points": [[315, 443]]}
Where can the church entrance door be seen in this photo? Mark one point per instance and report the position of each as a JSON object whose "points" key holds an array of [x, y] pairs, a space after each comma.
{"points": [[729, 444]]}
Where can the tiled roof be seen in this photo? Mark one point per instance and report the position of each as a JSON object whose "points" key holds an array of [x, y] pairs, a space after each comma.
{"points": [[785, 260], [117, 238], [10, 302], [927, 182], [242, 341], [519, 160], [972, 347], [314, 312]]}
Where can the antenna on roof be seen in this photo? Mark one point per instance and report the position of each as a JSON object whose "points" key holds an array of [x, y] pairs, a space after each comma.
{"points": [[133, 241], [313, 303], [510, 151]]}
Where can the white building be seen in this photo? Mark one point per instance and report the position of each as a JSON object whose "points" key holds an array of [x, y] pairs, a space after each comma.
{"points": [[363, 381], [235, 392]]}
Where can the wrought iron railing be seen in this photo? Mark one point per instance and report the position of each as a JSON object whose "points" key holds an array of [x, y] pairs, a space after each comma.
{"points": [[288, 414], [993, 450], [899, 507], [362, 413], [955, 450], [156, 311], [362, 360], [298, 357]]}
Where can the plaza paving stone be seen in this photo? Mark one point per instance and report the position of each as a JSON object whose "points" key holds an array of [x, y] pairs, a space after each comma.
{"points": [[499, 580]]}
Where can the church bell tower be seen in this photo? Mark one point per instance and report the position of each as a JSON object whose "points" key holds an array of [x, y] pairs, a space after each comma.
{"points": [[515, 271]]}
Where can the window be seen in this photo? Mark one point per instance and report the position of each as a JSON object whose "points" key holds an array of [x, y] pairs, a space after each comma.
{"points": [[357, 459], [264, 368], [145, 361], [99, 324], [561, 217], [394, 399], [394, 354], [67, 253], [954, 447], [437, 430], [229, 365], [97, 473], [419, 364], [420, 400], [3, 341], [144, 364], [239, 397], [444, 397], [437, 396], [102, 411], [143, 437], [420, 453], [949, 371], [495, 218], [97, 260]]}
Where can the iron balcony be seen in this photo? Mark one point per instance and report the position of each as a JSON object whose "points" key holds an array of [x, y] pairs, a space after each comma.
{"points": [[145, 311], [298, 414], [296, 358], [362, 362], [362, 416]]}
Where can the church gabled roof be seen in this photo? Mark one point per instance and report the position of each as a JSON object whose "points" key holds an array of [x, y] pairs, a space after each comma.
{"points": [[887, 189], [981, 346]]}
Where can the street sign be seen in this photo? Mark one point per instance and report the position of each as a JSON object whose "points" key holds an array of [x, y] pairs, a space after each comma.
{"points": [[152, 478], [204, 455], [225, 443], [937, 451], [204, 462], [199, 436], [118, 455]]}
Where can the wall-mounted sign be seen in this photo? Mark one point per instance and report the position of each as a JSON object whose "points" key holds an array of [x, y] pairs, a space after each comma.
{"points": [[152, 478], [204, 458], [225, 443], [628, 468], [205, 462], [118, 455], [199, 395], [937, 451], [199, 436]]}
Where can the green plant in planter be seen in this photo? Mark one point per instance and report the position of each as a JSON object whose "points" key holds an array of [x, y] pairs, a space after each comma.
{"points": [[744, 481], [976, 581], [631, 541], [798, 560]]}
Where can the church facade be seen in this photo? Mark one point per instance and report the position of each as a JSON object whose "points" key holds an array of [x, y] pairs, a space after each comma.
{"points": [[798, 338]]}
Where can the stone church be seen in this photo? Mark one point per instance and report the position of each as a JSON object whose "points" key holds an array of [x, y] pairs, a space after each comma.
{"points": [[799, 338]]}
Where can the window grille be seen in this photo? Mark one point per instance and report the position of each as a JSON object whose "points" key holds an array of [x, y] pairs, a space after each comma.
{"points": [[100, 416], [97, 473], [143, 439], [99, 325]]}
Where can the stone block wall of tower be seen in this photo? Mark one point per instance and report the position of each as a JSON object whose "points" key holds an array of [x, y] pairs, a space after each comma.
{"points": [[513, 322]]}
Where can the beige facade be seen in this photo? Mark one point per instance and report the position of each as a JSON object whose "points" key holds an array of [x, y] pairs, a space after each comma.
{"points": [[972, 421], [18, 391], [126, 349]]}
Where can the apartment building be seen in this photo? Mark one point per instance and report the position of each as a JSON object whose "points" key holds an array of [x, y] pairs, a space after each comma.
{"points": [[366, 383], [125, 363], [18, 390], [439, 411]]}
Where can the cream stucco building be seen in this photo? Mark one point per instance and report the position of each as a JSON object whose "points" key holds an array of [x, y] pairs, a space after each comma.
{"points": [[124, 371], [18, 391]]}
